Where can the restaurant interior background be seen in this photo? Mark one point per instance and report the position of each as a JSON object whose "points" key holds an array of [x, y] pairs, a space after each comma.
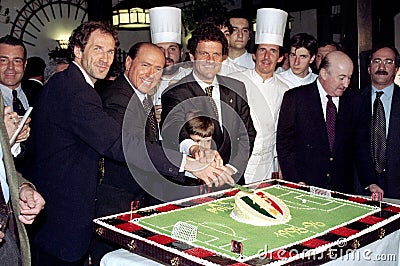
{"points": [[45, 25]]}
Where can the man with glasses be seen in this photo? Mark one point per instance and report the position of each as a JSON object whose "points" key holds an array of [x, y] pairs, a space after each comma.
{"points": [[384, 94], [222, 98]]}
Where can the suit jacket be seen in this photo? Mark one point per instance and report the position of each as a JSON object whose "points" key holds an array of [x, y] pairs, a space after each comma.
{"points": [[116, 97], [235, 142], [14, 180], [71, 132], [302, 140], [31, 89], [389, 181]]}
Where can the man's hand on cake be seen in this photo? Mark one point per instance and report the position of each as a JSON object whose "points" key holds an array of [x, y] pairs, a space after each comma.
{"points": [[374, 188], [206, 156]]}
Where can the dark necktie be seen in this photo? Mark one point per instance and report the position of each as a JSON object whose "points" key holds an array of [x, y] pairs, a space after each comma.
{"points": [[17, 105], [378, 134], [209, 94], [151, 119], [331, 121]]}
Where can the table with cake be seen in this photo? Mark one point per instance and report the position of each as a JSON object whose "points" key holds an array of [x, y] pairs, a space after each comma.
{"points": [[275, 223]]}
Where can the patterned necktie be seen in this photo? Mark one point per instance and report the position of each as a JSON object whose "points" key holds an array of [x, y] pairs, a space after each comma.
{"points": [[17, 104], [331, 121], [378, 134], [148, 107], [209, 94]]}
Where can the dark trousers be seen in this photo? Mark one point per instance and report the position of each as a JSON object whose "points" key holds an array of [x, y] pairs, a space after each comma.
{"points": [[9, 251], [42, 258]]}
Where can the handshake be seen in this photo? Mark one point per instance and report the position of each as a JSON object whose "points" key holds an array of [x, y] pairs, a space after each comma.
{"points": [[207, 165]]}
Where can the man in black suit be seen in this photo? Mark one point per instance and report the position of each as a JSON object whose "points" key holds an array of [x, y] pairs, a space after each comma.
{"points": [[74, 132], [118, 188], [33, 79], [307, 151], [226, 103], [384, 62]]}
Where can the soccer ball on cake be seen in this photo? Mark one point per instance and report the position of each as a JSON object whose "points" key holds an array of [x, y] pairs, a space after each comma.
{"points": [[259, 208]]}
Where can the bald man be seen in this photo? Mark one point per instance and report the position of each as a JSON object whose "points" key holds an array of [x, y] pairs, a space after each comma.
{"points": [[307, 152]]}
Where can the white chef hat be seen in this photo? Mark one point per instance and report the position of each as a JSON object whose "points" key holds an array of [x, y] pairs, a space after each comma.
{"points": [[270, 27], [165, 24]]}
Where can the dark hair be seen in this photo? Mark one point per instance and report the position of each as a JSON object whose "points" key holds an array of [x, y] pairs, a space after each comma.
{"points": [[380, 46], [134, 50], [240, 13], [81, 34], [330, 42], [11, 40], [218, 20], [207, 32], [199, 124], [34, 67], [304, 40]]}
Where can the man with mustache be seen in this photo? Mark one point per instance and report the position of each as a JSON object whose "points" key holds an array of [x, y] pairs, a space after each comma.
{"points": [[165, 28], [384, 62]]}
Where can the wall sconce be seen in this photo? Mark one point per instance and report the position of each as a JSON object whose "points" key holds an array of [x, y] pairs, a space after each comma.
{"points": [[131, 18], [63, 44]]}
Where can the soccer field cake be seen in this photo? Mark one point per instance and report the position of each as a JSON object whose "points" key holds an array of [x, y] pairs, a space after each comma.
{"points": [[278, 223]]}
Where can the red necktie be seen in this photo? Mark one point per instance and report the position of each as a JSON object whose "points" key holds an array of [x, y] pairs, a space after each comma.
{"points": [[331, 121]]}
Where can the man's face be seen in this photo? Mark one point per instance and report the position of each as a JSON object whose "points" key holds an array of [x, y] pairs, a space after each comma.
{"points": [[12, 65], [173, 55], [241, 33], [383, 68], [207, 60], [322, 52], [144, 72], [337, 79], [300, 61], [98, 55], [266, 57]]}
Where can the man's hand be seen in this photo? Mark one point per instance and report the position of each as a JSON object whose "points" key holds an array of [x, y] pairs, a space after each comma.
{"points": [[209, 174], [157, 110], [12, 120], [30, 203], [375, 188], [206, 156]]}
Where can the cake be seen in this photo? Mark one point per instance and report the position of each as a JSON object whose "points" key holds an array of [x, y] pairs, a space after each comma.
{"points": [[260, 209], [281, 223]]}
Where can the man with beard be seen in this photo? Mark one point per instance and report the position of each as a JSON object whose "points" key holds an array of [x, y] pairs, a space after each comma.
{"points": [[383, 65], [165, 28]]}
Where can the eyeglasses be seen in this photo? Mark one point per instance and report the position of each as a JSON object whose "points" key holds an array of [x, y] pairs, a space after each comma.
{"points": [[16, 61], [378, 61], [204, 55]]}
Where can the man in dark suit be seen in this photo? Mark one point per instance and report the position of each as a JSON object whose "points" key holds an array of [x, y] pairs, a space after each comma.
{"points": [[222, 98], [33, 79], [307, 150], [384, 62], [118, 188], [74, 132]]}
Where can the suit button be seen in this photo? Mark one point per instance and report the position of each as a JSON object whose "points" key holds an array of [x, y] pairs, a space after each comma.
{"points": [[328, 175], [331, 159], [170, 170]]}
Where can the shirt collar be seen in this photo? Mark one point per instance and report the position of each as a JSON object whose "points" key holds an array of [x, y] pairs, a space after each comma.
{"points": [[139, 94], [85, 74], [204, 85], [387, 91]]}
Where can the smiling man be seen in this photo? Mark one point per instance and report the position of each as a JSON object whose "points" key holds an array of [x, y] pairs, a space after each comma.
{"points": [[222, 98], [322, 132]]}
